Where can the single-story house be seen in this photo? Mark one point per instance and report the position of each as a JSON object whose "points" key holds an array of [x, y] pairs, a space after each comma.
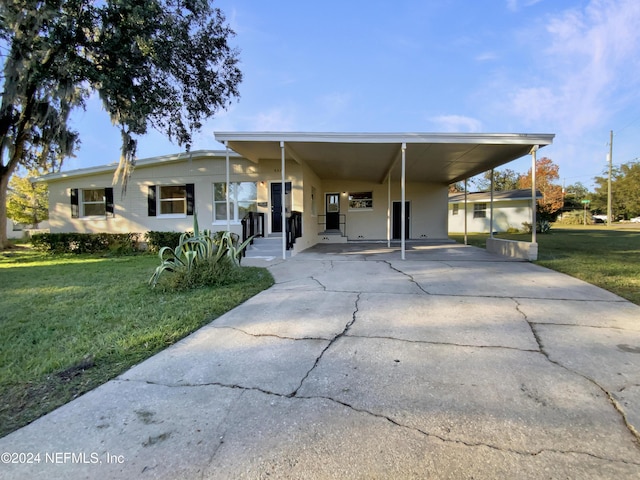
{"points": [[510, 210], [338, 187], [17, 230]]}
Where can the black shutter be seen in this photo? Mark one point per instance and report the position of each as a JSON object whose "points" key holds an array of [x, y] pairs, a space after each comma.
{"points": [[108, 199], [190, 198], [151, 201], [75, 207]]}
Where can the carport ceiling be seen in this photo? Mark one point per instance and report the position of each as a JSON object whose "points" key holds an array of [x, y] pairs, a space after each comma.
{"points": [[430, 157]]}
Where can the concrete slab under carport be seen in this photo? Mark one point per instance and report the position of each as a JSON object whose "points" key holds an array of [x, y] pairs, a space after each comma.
{"points": [[389, 376]]}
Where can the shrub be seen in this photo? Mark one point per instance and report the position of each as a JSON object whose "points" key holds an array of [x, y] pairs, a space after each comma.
{"points": [[576, 217], [542, 226], [157, 240], [121, 243], [193, 251]]}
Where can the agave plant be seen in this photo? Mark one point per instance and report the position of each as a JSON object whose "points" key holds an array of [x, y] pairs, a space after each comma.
{"points": [[194, 248]]}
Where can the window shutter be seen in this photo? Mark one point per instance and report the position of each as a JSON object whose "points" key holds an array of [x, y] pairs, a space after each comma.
{"points": [[151, 201], [108, 197], [75, 208], [190, 187]]}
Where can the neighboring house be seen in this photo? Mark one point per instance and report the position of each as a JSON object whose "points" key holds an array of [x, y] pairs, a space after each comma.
{"points": [[18, 230], [340, 186], [511, 209]]}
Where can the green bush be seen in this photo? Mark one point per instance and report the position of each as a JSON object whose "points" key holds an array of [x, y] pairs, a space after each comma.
{"points": [[120, 243], [157, 240], [575, 217], [542, 226], [208, 273]]}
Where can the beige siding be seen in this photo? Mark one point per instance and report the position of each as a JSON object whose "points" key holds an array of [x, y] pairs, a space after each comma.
{"points": [[506, 215]]}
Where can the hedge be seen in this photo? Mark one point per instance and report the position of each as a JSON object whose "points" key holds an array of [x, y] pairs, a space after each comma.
{"points": [[86, 242]]}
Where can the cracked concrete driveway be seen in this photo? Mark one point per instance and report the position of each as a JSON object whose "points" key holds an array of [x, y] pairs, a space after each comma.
{"points": [[453, 363]]}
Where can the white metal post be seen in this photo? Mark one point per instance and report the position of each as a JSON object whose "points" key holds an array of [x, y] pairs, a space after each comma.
{"points": [[402, 207], [466, 242], [227, 188], [389, 211], [284, 207], [491, 206], [534, 201]]}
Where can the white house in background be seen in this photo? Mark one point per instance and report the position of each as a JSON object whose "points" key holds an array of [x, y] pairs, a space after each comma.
{"points": [[511, 209], [338, 187], [18, 230]]}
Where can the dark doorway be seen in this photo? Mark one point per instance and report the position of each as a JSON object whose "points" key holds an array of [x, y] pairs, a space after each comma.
{"points": [[332, 209], [397, 220], [276, 205]]}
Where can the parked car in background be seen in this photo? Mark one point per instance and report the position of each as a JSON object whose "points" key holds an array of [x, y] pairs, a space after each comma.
{"points": [[635, 220]]}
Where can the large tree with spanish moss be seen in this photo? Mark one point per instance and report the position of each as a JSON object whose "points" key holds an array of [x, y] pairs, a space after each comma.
{"points": [[163, 64]]}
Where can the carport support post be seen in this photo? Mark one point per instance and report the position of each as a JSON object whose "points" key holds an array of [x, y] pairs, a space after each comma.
{"points": [[389, 211], [403, 207], [534, 149], [227, 189], [284, 207], [491, 206], [466, 242]]}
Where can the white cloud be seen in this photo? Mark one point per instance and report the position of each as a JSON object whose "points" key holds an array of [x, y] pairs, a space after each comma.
{"points": [[457, 123], [274, 120], [486, 56], [589, 58], [514, 5]]}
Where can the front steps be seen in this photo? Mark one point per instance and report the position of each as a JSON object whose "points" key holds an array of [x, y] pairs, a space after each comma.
{"points": [[266, 248]]}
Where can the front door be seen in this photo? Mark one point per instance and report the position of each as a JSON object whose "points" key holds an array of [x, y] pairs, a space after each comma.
{"points": [[397, 220], [332, 209], [276, 205]]}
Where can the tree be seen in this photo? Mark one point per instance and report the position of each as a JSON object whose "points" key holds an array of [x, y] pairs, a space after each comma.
{"points": [[27, 202], [164, 64], [503, 180], [625, 191], [573, 196], [546, 173]]}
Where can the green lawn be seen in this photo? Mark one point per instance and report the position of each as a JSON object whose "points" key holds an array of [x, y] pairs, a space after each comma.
{"points": [[70, 323], [603, 256]]}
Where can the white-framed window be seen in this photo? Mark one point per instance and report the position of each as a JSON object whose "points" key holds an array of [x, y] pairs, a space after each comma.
{"points": [[91, 202], [171, 201], [479, 210], [243, 198], [360, 200], [455, 209]]}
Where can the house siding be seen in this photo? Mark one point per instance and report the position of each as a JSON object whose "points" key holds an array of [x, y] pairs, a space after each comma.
{"points": [[506, 215]]}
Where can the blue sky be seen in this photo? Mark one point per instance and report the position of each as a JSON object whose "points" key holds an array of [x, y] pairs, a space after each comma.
{"points": [[569, 67]]}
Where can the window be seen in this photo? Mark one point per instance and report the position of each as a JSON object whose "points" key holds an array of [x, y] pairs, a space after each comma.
{"points": [[171, 200], [243, 198], [91, 202], [455, 209], [480, 210], [361, 201]]}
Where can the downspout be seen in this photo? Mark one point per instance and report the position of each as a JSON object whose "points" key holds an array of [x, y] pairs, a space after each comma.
{"points": [[227, 189], [403, 207], [534, 149], [283, 207]]}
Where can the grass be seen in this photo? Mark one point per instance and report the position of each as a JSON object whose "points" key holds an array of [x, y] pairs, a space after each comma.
{"points": [[71, 322], [603, 256]]}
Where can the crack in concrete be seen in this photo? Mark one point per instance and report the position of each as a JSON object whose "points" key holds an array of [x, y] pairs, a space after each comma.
{"points": [[331, 342], [273, 335], [411, 279], [462, 442], [446, 344], [614, 403]]}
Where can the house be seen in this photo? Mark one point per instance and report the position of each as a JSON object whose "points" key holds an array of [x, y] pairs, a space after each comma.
{"points": [[338, 187], [511, 209]]}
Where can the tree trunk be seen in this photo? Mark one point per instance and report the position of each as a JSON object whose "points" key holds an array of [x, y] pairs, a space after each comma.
{"points": [[4, 187]]}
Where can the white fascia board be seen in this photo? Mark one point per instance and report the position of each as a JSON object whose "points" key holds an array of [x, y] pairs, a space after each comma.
{"points": [[540, 139], [141, 163]]}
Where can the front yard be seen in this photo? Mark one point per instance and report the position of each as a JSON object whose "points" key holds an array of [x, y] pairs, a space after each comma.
{"points": [[71, 322]]}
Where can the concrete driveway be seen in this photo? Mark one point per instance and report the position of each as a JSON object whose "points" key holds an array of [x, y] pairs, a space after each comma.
{"points": [[453, 363]]}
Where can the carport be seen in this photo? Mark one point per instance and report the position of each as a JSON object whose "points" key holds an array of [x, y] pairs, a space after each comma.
{"points": [[438, 158]]}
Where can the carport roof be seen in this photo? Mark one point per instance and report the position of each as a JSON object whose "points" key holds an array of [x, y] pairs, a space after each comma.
{"points": [[430, 157]]}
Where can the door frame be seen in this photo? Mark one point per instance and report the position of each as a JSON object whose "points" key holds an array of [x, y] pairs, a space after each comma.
{"points": [[272, 204], [396, 220], [335, 216]]}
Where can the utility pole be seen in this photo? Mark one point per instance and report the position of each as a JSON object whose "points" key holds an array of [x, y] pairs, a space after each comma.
{"points": [[609, 213]]}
